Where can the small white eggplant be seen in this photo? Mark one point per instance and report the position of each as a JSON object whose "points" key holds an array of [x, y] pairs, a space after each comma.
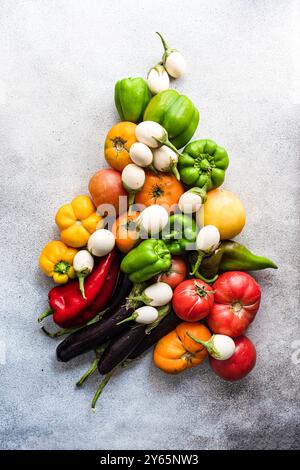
{"points": [[207, 241], [153, 219], [220, 347], [165, 160], [157, 294], [133, 179], [144, 315], [141, 154], [173, 60], [191, 201], [101, 242], [154, 135], [83, 264], [158, 79]]}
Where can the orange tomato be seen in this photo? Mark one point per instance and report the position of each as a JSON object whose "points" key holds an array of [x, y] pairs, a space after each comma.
{"points": [[124, 231], [176, 351], [117, 144], [164, 190]]}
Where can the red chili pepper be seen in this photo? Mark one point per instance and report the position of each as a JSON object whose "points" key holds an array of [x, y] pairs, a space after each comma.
{"points": [[100, 302], [66, 301]]}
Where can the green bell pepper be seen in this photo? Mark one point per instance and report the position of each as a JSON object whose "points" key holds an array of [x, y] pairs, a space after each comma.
{"points": [[229, 256], [181, 234], [203, 164], [149, 258], [176, 113], [131, 98]]}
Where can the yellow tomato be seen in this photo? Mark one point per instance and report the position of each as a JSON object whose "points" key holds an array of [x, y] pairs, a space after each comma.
{"points": [[224, 210]]}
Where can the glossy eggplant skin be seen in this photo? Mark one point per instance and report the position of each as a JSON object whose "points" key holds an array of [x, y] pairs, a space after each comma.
{"points": [[119, 349], [168, 324], [93, 336], [121, 291]]}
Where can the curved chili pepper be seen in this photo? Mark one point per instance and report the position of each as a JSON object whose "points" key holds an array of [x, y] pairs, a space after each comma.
{"points": [[66, 302], [230, 256]]}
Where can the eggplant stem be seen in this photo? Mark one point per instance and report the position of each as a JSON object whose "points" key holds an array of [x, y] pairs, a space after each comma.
{"points": [[88, 373], [100, 389], [81, 278], [45, 314]]}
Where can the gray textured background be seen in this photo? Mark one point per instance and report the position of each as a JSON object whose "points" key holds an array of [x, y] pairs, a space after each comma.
{"points": [[59, 61]]}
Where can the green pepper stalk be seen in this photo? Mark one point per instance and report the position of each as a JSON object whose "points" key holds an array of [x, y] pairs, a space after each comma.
{"points": [[207, 241], [230, 256], [173, 60]]}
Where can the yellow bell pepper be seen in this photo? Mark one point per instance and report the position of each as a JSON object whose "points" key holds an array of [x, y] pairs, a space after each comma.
{"points": [[77, 221], [56, 261]]}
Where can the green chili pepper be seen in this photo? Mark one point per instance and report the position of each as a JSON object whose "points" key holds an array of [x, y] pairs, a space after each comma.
{"points": [[203, 164], [230, 256], [182, 232], [176, 113], [131, 98], [148, 259]]}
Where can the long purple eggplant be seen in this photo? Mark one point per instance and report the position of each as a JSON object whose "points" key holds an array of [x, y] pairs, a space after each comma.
{"points": [[93, 336], [168, 324], [119, 349]]}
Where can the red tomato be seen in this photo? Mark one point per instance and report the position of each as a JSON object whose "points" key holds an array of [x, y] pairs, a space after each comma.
{"points": [[176, 274], [238, 365], [193, 300], [237, 299]]}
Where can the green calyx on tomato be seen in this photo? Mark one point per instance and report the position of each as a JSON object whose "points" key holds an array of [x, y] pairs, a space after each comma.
{"points": [[176, 113], [203, 164], [131, 98]]}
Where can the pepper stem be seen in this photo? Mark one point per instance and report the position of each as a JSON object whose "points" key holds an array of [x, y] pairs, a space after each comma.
{"points": [[165, 45], [45, 314], [81, 278], [100, 389], [201, 255]]}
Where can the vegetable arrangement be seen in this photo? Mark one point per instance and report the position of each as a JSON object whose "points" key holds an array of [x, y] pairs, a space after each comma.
{"points": [[149, 256]]}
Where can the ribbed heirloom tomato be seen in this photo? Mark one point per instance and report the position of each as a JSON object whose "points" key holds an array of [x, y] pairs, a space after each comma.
{"points": [[193, 300], [164, 190], [237, 299], [176, 351]]}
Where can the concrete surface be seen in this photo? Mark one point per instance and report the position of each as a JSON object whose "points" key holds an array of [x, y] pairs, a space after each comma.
{"points": [[59, 61]]}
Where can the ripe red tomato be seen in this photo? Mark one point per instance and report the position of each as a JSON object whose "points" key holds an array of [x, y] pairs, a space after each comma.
{"points": [[237, 299], [176, 274], [238, 365], [193, 300]]}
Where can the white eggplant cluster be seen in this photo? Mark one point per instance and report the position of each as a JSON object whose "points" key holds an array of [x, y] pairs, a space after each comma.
{"points": [[172, 64]]}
